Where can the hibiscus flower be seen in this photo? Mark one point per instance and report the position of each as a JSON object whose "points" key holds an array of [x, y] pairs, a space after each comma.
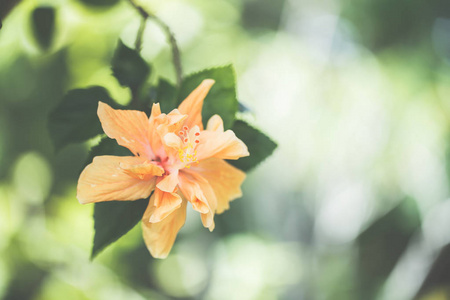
{"points": [[175, 158]]}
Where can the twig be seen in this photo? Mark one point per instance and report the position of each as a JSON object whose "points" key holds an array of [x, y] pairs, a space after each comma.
{"points": [[138, 43], [176, 57]]}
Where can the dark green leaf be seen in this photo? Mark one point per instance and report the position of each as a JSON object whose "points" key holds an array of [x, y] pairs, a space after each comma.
{"points": [[113, 219], [75, 118], [382, 244], [259, 145], [166, 95], [129, 67], [43, 25], [107, 146], [222, 97], [438, 277]]}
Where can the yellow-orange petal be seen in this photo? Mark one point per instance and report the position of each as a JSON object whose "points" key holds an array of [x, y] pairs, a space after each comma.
{"points": [[105, 180], [215, 123], [169, 182], [224, 145], [172, 140], [128, 127], [163, 124], [143, 171], [163, 205], [208, 218], [192, 192], [225, 180], [159, 237], [198, 191], [193, 104]]}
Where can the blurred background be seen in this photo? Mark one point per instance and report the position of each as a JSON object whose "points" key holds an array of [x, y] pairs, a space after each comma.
{"points": [[354, 204]]}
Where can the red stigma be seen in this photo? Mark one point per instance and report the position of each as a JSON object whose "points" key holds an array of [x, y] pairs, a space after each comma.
{"points": [[197, 141], [197, 133]]}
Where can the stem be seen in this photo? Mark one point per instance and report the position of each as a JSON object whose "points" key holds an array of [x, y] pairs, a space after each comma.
{"points": [[138, 43], [176, 57]]}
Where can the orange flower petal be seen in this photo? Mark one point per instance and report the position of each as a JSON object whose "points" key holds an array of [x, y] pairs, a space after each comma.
{"points": [[159, 237], [128, 127], [162, 124], [105, 180], [224, 145], [215, 123], [193, 104], [172, 140], [197, 190], [224, 179], [144, 171], [168, 183], [208, 218], [163, 205]]}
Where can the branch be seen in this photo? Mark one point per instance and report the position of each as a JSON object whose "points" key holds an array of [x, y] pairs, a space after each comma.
{"points": [[176, 57], [138, 43]]}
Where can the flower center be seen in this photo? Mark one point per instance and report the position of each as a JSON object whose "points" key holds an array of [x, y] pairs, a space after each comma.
{"points": [[187, 153]]}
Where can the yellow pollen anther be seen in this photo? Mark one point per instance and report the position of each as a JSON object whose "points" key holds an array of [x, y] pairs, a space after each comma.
{"points": [[187, 153]]}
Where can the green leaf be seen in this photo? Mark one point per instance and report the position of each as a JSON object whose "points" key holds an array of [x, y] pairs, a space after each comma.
{"points": [[75, 119], [107, 146], [129, 67], [382, 244], [222, 97], [259, 145], [113, 219], [43, 25], [166, 96], [438, 277]]}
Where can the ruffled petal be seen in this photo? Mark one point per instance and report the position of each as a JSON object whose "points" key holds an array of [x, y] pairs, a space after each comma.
{"points": [[159, 237], [225, 180], [172, 140], [208, 218], [198, 191], [105, 180], [153, 123], [215, 123], [163, 205], [169, 182], [224, 145], [161, 125], [143, 171], [128, 127], [193, 104]]}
